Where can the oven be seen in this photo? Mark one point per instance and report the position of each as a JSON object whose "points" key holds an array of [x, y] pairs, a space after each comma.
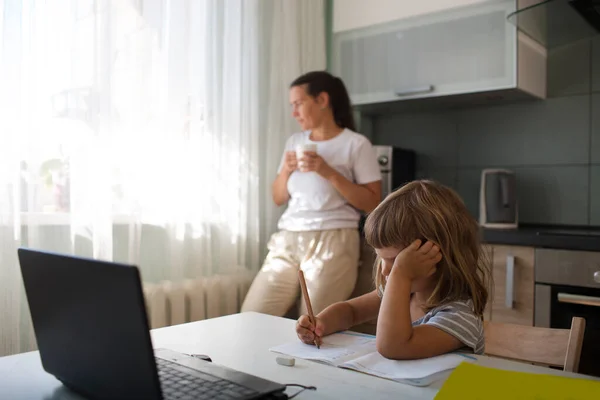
{"points": [[397, 167], [567, 285]]}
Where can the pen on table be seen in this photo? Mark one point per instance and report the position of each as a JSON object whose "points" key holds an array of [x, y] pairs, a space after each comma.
{"points": [[313, 320]]}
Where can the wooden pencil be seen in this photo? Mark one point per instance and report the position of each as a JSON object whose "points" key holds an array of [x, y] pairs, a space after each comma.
{"points": [[311, 316]]}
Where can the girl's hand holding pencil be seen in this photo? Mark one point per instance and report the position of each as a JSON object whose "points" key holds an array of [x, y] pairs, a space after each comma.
{"points": [[308, 327], [307, 331]]}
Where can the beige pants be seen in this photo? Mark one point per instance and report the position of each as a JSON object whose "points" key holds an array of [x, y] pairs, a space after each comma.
{"points": [[329, 260]]}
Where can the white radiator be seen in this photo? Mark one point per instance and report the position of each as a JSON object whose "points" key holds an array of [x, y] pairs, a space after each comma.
{"points": [[171, 303]]}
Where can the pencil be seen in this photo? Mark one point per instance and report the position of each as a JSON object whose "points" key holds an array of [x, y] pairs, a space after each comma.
{"points": [[311, 316]]}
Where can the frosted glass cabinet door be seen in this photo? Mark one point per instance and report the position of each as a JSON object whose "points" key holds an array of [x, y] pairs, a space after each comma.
{"points": [[463, 50]]}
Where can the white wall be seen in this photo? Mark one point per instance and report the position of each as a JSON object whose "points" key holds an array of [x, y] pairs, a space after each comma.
{"points": [[351, 14]]}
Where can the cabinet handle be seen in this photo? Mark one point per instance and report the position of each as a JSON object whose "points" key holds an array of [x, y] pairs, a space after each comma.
{"points": [[510, 281], [579, 299], [415, 90]]}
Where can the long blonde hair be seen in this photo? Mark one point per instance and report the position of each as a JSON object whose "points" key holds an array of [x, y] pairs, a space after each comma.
{"points": [[430, 211]]}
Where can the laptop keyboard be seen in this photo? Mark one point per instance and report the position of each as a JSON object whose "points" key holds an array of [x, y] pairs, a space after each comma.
{"points": [[181, 383]]}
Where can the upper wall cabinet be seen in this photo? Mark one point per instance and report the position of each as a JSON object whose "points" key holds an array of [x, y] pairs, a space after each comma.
{"points": [[451, 47], [353, 14]]}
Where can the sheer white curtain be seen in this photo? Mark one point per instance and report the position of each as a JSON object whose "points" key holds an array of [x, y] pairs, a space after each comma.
{"points": [[296, 45], [145, 132]]}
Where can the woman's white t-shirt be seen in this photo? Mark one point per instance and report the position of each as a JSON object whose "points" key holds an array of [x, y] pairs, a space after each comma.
{"points": [[314, 203]]}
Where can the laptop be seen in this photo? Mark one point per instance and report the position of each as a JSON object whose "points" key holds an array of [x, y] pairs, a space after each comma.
{"points": [[90, 322]]}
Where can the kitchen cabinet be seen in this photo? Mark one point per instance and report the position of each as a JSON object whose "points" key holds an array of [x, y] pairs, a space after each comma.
{"points": [[450, 51], [512, 298], [352, 14]]}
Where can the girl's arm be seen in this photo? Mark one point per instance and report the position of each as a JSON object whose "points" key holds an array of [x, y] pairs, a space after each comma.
{"points": [[346, 314], [396, 337]]}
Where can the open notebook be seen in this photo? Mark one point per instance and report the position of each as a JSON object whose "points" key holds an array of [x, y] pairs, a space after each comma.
{"points": [[358, 352]]}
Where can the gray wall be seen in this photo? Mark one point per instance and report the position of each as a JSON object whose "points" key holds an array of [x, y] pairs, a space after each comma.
{"points": [[552, 145]]}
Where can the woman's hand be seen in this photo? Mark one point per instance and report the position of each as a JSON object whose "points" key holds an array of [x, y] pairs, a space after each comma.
{"points": [[311, 161], [308, 332], [291, 163], [417, 261]]}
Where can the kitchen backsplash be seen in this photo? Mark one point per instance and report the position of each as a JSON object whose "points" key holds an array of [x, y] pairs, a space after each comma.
{"points": [[552, 145]]}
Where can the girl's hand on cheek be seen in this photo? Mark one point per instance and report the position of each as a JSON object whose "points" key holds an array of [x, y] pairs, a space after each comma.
{"points": [[417, 261]]}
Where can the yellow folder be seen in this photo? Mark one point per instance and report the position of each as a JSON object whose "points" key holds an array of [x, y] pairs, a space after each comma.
{"points": [[470, 381]]}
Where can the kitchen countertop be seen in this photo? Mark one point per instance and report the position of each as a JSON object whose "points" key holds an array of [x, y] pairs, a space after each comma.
{"points": [[546, 236]]}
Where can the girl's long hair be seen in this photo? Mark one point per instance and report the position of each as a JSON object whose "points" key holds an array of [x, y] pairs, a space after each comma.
{"points": [[429, 211]]}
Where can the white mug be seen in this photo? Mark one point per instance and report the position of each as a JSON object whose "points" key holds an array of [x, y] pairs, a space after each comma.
{"points": [[301, 149]]}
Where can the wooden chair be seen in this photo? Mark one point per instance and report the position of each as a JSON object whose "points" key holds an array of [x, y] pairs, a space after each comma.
{"points": [[544, 346]]}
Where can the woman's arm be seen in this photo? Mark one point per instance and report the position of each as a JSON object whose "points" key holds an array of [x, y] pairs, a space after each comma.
{"points": [[364, 197], [279, 189]]}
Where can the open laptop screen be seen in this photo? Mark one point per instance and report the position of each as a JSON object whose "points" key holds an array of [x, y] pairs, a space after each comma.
{"points": [[91, 326]]}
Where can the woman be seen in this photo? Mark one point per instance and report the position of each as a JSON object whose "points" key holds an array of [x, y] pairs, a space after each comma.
{"points": [[324, 189]]}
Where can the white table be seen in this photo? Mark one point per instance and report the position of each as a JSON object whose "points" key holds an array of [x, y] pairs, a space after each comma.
{"points": [[241, 341]]}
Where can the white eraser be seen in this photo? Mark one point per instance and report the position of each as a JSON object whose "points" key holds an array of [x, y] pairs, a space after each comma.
{"points": [[287, 361]]}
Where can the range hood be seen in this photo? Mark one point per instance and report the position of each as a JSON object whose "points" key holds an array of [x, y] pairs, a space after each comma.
{"points": [[554, 23]]}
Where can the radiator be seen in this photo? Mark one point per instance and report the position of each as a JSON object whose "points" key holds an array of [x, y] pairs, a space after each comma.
{"points": [[172, 303]]}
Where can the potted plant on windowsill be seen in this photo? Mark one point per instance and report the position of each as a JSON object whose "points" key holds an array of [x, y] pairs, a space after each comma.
{"points": [[55, 174]]}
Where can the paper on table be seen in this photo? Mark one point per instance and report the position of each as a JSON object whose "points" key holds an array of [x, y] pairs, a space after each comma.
{"points": [[469, 381], [335, 349], [416, 372], [358, 352]]}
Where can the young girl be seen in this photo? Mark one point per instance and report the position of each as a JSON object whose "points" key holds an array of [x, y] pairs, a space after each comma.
{"points": [[430, 276]]}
